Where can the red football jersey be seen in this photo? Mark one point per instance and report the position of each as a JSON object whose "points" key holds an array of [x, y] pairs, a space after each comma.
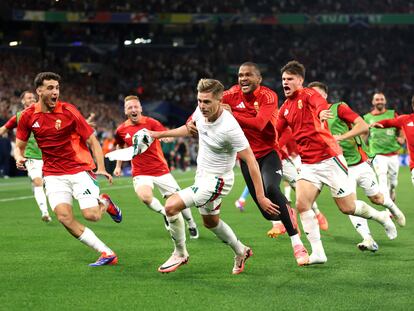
{"points": [[257, 116], [301, 113], [61, 135], [152, 162], [11, 123], [406, 122]]}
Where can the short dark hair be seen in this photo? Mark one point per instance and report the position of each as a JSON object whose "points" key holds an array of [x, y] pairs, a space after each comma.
{"points": [[38, 81], [24, 93], [320, 85], [295, 68], [254, 65]]}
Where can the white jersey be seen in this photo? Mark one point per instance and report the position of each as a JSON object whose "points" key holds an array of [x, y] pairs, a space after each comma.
{"points": [[219, 142]]}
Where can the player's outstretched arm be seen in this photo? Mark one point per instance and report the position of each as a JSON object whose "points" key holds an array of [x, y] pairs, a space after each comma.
{"points": [[3, 130], [360, 127], [96, 149], [248, 157], [181, 131], [19, 154]]}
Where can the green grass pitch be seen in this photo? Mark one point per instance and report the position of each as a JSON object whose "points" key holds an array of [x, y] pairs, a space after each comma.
{"points": [[43, 268]]}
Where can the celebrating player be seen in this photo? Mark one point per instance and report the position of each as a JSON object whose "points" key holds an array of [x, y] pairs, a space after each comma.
{"points": [[304, 111], [346, 126], [63, 134], [34, 162], [384, 145], [406, 122], [220, 139], [149, 167], [255, 108]]}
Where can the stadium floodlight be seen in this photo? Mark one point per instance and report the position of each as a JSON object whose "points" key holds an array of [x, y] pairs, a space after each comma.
{"points": [[13, 43], [127, 42]]}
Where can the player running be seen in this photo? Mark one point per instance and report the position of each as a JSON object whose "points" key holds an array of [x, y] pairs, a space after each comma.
{"points": [[304, 112], [34, 162], [255, 108], [63, 136], [384, 145], [346, 126], [220, 139], [406, 122], [149, 167]]}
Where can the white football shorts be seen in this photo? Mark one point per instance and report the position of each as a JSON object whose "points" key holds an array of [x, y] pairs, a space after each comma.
{"points": [[34, 168], [82, 186], [332, 172], [166, 184], [207, 191], [363, 175]]}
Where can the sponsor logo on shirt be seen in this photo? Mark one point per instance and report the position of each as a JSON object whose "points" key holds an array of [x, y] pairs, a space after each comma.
{"points": [[300, 104], [241, 105], [58, 124], [410, 123], [36, 124]]}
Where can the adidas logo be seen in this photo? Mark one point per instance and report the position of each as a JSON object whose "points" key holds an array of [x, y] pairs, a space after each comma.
{"points": [[341, 191], [127, 135], [86, 192], [36, 124], [410, 123], [241, 105]]}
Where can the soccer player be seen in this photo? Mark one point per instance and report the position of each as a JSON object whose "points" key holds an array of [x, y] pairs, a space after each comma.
{"points": [[33, 155], [305, 111], [255, 108], [220, 139], [406, 122], [149, 167], [63, 136], [346, 126], [384, 145]]}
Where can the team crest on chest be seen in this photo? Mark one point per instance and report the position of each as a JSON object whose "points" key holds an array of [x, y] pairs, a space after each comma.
{"points": [[58, 124], [256, 106], [300, 104], [286, 112]]}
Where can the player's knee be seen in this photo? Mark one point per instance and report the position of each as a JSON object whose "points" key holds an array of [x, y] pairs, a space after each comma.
{"points": [[210, 222], [92, 216], [171, 207], [65, 218], [145, 198], [37, 182], [377, 198]]}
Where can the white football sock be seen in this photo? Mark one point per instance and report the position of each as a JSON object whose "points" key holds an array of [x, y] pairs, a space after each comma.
{"points": [[274, 222], [156, 206], [177, 231], [295, 240], [226, 234], [361, 226], [89, 238], [311, 228], [189, 217], [40, 198], [287, 192], [363, 210], [315, 208], [388, 203]]}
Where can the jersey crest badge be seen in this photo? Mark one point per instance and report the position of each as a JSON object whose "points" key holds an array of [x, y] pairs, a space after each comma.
{"points": [[58, 124], [256, 106], [300, 104], [286, 112]]}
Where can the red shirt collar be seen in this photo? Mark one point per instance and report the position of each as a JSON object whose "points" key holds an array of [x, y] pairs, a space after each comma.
{"points": [[58, 107]]}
